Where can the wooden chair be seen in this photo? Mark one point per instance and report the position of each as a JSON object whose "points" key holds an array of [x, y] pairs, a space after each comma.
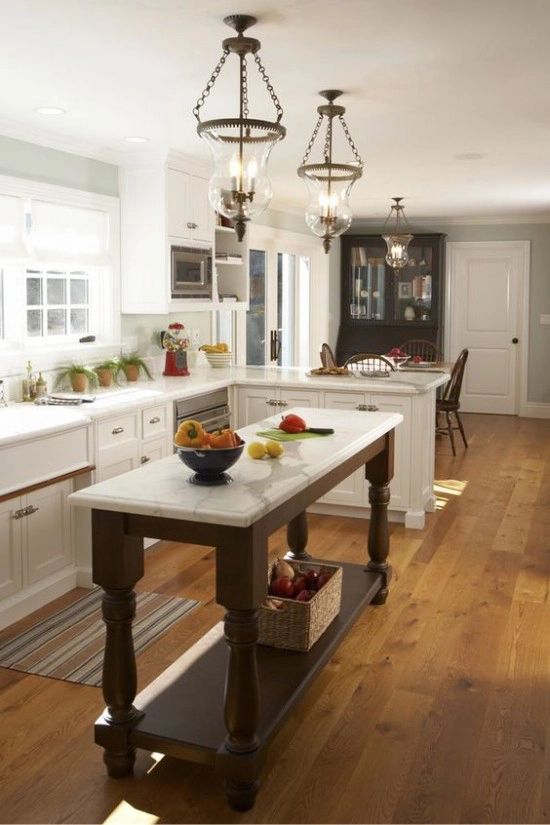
{"points": [[369, 362], [327, 356], [450, 403], [425, 349]]}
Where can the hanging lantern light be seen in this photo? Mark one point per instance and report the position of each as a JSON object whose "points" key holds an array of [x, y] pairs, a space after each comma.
{"points": [[328, 213], [397, 242], [239, 188]]}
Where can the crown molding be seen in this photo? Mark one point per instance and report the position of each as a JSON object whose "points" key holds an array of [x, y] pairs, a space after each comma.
{"points": [[474, 220]]}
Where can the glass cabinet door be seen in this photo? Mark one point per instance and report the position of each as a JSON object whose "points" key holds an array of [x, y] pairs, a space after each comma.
{"points": [[413, 286], [367, 284]]}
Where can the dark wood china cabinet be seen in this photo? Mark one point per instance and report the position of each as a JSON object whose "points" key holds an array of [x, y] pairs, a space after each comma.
{"points": [[381, 308]]}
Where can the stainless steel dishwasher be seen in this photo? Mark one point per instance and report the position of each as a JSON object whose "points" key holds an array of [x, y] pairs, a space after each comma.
{"points": [[211, 409]]}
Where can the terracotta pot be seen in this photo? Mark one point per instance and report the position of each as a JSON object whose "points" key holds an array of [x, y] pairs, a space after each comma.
{"points": [[79, 382], [131, 372], [105, 377]]}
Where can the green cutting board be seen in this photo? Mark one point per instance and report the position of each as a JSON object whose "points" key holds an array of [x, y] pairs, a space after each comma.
{"points": [[280, 435]]}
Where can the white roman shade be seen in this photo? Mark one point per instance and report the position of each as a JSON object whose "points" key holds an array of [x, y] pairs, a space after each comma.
{"points": [[69, 234], [12, 225]]}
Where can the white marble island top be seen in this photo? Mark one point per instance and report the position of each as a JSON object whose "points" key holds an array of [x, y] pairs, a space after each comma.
{"points": [[162, 488]]}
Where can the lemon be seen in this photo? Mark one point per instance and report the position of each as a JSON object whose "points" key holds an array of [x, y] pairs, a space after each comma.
{"points": [[274, 449], [256, 450]]}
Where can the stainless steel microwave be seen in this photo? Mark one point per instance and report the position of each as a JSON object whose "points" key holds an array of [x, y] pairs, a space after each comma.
{"points": [[191, 271]]}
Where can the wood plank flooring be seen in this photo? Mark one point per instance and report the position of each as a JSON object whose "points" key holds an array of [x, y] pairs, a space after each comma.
{"points": [[436, 708]]}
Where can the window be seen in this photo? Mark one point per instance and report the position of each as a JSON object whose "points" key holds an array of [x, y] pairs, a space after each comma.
{"points": [[58, 268], [57, 303]]}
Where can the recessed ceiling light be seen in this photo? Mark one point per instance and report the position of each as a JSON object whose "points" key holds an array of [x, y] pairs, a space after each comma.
{"points": [[136, 139], [50, 110], [470, 156]]}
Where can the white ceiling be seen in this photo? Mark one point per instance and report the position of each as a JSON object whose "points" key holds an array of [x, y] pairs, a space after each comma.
{"points": [[426, 80]]}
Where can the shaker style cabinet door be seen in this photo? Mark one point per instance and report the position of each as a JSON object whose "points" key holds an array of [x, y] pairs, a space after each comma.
{"points": [[289, 397], [255, 404], [47, 545], [10, 547], [178, 204], [201, 214]]}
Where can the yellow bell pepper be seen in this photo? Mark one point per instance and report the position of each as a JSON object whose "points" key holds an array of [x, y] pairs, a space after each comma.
{"points": [[190, 434]]}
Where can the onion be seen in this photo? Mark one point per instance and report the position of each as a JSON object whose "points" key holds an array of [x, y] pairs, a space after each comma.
{"points": [[283, 569]]}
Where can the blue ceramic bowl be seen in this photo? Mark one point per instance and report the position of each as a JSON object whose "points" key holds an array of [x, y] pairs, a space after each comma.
{"points": [[210, 465]]}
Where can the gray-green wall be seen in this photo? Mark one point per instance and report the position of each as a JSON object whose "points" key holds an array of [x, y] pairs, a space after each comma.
{"points": [[28, 160], [539, 298]]}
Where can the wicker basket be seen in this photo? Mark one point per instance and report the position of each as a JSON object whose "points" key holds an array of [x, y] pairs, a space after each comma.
{"points": [[298, 625]]}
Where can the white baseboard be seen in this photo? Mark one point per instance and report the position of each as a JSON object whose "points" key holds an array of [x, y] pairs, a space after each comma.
{"points": [[84, 577], [534, 409], [20, 604], [352, 512]]}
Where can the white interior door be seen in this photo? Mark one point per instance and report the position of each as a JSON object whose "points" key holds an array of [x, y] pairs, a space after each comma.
{"points": [[288, 279], [486, 284]]}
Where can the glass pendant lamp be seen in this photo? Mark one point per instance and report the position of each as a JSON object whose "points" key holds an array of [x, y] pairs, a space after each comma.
{"points": [[240, 187], [397, 242], [328, 213]]}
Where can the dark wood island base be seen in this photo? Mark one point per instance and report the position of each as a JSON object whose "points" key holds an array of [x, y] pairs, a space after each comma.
{"points": [[209, 707]]}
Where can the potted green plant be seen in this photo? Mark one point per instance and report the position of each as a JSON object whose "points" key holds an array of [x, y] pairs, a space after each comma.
{"points": [[80, 377], [132, 364], [107, 371]]}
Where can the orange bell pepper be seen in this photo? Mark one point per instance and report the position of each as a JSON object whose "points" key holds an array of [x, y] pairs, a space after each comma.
{"points": [[190, 434], [223, 439]]}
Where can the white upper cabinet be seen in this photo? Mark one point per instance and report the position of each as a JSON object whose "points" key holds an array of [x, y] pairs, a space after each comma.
{"points": [[161, 204], [188, 211]]}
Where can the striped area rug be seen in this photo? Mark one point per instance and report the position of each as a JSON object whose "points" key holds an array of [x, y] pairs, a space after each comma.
{"points": [[69, 645]]}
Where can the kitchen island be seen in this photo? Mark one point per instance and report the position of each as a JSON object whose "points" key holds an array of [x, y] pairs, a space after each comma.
{"points": [[207, 708]]}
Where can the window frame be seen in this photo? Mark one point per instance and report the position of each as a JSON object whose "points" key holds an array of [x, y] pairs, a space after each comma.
{"points": [[49, 351]]}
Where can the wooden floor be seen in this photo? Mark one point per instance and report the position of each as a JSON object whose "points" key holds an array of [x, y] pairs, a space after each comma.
{"points": [[436, 707]]}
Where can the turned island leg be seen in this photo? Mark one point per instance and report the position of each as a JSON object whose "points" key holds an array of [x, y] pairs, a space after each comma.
{"points": [[297, 535], [241, 585], [379, 472], [117, 566]]}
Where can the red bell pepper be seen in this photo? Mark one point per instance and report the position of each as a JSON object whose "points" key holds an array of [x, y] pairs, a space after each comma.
{"points": [[292, 424]]}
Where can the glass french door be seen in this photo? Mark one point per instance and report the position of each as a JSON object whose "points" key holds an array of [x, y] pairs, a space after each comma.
{"points": [[278, 319]]}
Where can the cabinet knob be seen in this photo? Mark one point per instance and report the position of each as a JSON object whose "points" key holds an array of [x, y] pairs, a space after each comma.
{"points": [[515, 340], [145, 459], [154, 420], [191, 225], [117, 430]]}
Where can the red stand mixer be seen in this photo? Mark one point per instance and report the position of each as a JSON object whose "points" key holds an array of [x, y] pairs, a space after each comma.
{"points": [[175, 343]]}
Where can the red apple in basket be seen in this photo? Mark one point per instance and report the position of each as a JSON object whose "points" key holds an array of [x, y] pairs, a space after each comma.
{"points": [[282, 587], [311, 578], [323, 579], [299, 585], [305, 595]]}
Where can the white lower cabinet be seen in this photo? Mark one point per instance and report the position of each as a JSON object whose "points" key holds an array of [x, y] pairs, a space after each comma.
{"points": [[11, 569], [46, 532], [35, 537], [153, 450], [353, 490], [253, 404], [399, 485]]}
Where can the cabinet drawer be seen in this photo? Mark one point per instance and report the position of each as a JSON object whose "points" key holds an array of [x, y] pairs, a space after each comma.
{"points": [[153, 421], [344, 400], [115, 431]]}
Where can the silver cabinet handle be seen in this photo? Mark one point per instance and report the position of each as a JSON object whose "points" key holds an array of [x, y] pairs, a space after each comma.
{"points": [[26, 511], [282, 403], [372, 408], [145, 459], [367, 408], [271, 402], [117, 430], [154, 420], [191, 225]]}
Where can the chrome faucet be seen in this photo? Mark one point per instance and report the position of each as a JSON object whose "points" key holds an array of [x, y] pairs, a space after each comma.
{"points": [[3, 402]]}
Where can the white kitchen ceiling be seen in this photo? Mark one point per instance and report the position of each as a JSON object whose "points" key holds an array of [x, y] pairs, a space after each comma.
{"points": [[447, 99]]}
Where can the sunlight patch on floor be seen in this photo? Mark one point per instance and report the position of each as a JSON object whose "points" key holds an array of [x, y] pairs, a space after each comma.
{"points": [[444, 489], [126, 814], [156, 757]]}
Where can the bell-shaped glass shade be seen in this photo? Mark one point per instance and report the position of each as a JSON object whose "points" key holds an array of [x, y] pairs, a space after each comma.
{"points": [[328, 213], [239, 187], [397, 255]]}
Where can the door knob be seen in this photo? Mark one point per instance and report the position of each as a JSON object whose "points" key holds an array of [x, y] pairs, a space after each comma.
{"points": [[515, 340]]}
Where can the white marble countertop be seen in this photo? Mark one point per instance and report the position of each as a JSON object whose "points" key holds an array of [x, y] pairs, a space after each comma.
{"points": [[23, 421], [162, 487]]}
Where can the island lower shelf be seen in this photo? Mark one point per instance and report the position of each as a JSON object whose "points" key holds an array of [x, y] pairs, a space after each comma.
{"points": [[184, 706]]}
